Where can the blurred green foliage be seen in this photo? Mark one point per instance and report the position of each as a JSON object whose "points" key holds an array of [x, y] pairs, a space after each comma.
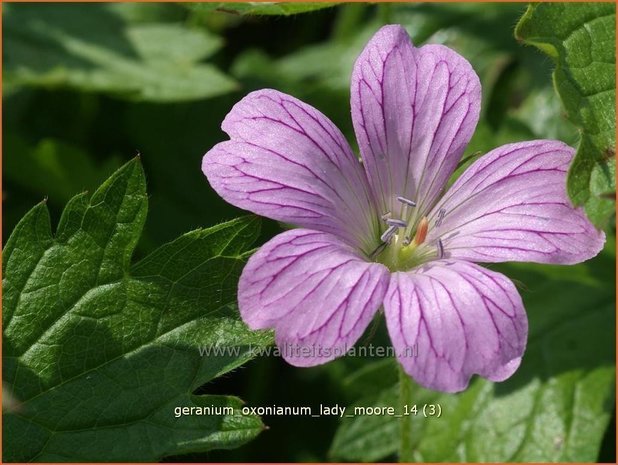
{"points": [[97, 48], [82, 95]]}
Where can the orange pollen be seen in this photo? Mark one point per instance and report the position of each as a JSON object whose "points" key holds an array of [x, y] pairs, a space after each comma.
{"points": [[421, 231]]}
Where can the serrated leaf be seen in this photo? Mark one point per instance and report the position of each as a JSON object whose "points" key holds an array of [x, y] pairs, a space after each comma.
{"points": [[99, 353], [94, 48], [260, 8], [581, 39], [554, 409]]}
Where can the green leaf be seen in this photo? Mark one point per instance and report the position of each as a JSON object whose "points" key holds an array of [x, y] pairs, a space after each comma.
{"points": [[555, 408], [260, 8], [95, 48], [99, 353], [581, 39]]}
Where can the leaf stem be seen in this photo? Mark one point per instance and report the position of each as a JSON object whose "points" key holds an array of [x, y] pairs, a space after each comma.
{"points": [[405, 425]]}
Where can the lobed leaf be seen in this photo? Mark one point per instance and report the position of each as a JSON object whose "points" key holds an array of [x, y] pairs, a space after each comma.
{"points": [[99, 353]]}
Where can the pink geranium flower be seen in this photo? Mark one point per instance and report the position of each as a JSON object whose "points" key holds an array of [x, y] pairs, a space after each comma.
{"points": [[386, 232]]}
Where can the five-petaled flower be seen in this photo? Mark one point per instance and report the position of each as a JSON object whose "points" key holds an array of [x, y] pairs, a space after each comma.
{"points": [[387, 231]]}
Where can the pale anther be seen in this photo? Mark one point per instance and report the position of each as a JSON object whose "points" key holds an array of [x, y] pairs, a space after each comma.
{"points": [[441, 214], [386, 216], [388, 233], [396, 222], [440, 248], [406, 201]]}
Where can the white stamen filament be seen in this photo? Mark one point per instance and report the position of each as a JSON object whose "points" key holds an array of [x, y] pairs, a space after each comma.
{"points": [[404, 244], [395, 223]]}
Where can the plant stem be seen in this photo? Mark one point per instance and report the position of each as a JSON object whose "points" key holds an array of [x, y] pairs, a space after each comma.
{"points": [[405, 426]]}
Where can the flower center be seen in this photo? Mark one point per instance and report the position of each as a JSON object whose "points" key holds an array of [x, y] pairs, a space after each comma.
{"points": [[404, 245]]}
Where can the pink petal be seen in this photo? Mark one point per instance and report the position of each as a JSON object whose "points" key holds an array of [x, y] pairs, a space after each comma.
{"points": [[512, 205], [414, 111], [314, 290], [452, 319], [287, 161]]}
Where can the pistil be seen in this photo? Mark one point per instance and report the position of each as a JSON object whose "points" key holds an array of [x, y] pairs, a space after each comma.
{"points": [[421, 231]]}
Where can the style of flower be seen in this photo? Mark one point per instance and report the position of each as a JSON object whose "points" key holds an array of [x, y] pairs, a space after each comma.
{"points": [[388, 231]]}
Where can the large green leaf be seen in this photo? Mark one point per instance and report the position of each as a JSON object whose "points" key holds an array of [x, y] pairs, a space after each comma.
{"points": [[95, 48], [99, 353], [259, 8], [581, 38], [555, 408]]}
